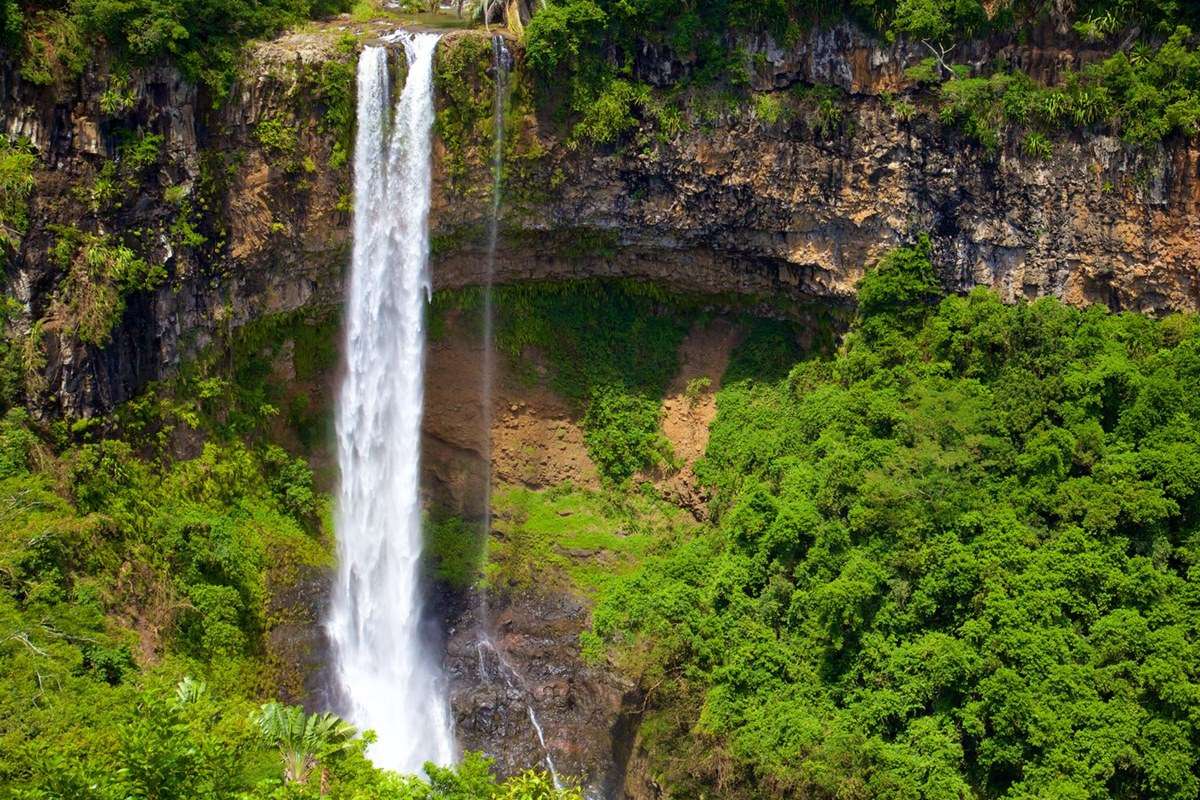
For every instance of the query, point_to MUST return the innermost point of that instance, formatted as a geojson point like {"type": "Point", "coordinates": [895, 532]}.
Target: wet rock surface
{"type": "Point", "coordinates": [515, 668]}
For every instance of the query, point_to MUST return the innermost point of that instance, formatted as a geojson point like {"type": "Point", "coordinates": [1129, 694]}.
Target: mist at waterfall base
{"type": "Point", "coordinates": [387, 676]}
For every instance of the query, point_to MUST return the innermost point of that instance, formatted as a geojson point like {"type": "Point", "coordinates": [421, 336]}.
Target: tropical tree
{"type": "Point", "coordinates": [304, 740]}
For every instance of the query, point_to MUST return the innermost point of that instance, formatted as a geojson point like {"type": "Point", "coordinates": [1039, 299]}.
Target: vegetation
{"type": "Point", "coordinates": [304, 740]}
{"type": "Point", "coordinates": [333, 89]}
{"type": "Point", "coordinates": [203, 38]}
{"type": "Point", "coordinates": [1145, 96]}
{"type": "Point", "coordinates": [120, 575]}
{"type": "Point", "coordinates": [572, 539]}
{"type": "Point", "coordinates": [612, 348]}
{"type": "Point", "coordinates": [54, 49]}
{"type": "Point", "coordinates": [1144, 92]}
{"type": "Point", "coordinates": [958, 558]}
{"type": "Point", "coordinates": [16, 185]}
{"type": "Point", "coordinates": [100, 275]}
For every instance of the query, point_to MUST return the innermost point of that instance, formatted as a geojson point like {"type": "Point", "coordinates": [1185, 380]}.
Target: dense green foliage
{"type": "Point", "coordinates": [958, 559]}
{"type": "Point", "coordinates": [1144, 95]}
{"type": "Point", "coordinates": [1146, 92]}
{"type": "Point", "coordinates": [204, 38]}
{"type": "Point", "coordinates": [16, 185]}
{"type": "Point", "coordinates": [109, 562]}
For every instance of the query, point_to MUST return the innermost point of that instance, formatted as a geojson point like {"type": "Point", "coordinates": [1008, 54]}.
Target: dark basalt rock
{"type": "Point", "coordinates": [522, 654]}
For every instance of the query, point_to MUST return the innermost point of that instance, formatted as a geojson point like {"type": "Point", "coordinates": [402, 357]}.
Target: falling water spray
{"type": "Point", "coordinates": [501, 63]}
{"type": "Point", "coordinates": [386, 671]}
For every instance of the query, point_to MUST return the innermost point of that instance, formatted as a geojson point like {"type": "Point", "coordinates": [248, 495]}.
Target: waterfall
{"type": "Point", "coordinates": [501, 61]}
{"type": "Point", "coordinates": [388, 677]}
{"type": "Point", "coordinates": [501, 64]}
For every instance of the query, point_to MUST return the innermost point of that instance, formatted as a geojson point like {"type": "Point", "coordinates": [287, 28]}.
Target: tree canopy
{"type": "Point", "coordinates": [959, 557]}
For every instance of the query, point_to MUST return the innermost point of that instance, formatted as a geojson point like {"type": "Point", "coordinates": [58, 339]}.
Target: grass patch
{"type": "Point", "coordinates": [576, 538]}
{"type": "Point", "coordinates": [455, 549]}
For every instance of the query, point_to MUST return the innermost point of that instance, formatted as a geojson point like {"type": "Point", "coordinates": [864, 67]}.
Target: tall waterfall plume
{"type": "Point", "coordinates": [501, 65]}
{"type": "Point", "coordinates": [389, 679]}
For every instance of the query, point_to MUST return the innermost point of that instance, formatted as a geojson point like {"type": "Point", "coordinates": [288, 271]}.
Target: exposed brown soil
{"type": "Point", "coordinates": [536, 437]}
{"type": "Point", "coordinates": [688, 413]}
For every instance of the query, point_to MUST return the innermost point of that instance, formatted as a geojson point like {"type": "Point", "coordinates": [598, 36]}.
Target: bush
{"type": "Point", "coordinates": [16, 185]}
{"type": "Point", "coordinates": [925, 552]}
{"type": "Point", "coordinates": [623, 435]}
{"type": "Point", "coordinates": [53, 50]}
{"type": "Point", "coordinates": [455, 547]}
{"type": "Point", "coordinates": [100, 275]}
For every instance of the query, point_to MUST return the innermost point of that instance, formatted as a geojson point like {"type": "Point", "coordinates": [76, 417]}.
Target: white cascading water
{"type": "Point", "coordinates": [388, 678]}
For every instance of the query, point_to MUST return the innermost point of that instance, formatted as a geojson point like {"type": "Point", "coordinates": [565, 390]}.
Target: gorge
{"type": "Point", "coordinates": [595, 411]}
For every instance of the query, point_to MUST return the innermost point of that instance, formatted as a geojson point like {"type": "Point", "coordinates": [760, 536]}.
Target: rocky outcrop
{"type": "Point", "coordinates": [270, 216]}
{"type": "Point", "coordinates": [793, 209]}
{"type": "Point", "coordinates": [520, 691]}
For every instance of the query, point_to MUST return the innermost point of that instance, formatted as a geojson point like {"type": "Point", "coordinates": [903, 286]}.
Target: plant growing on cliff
{"type": "Point", "coordinates": [100, 274]}
{"type": "Point", "coordinates": [334, 90]}
{"type": "Point", "coordinates": [767, 108]}
{"type": "Point", "coordinates": [203, 39]}
{"type": "Point", "coordinates": [464, 121]}
{"type": "Point", "coordinates": [696, 389]}
{"type": "Point", "coordinates": [118, 96]}
{"type": "Point", "coordinates": [53, 49]}
{"type": "Point", "coordinates": [17, 163]}
{"type": "Point", "coordinates": [279, 141]}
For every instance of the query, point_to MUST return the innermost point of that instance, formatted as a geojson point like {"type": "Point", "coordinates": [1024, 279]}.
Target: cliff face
{"type": "Point", "coordinates": [800, 205]}
{"type": "Point", "coordinates": [246, 207]}
{"type": "Point", "coordinates": [794, 208]}
{"type": "Point", "coordinates": [243, 205]}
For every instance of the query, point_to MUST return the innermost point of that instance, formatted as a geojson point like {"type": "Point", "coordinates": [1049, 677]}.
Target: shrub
{"type": "Point", "coordinates": [767, 108]}
{"type": "Point", "coordinates": [695, 389]}
{"type": "Point", "coordinates": [203, 38]}
{"type": "Point", "coordinates": [16, 185]}
{"type": "Point", "coordinates": [100, 274]}
{"type": "Point", "coordinates": [54, 51]}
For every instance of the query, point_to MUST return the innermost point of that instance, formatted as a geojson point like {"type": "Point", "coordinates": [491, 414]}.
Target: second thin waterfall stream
{"type": "Point", "coordinates": [501, 64]}
{"type": "Point", "coordinates": [388, 678]}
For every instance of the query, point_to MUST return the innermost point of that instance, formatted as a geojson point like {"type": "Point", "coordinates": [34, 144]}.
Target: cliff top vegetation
{"type": "Point", "coordinates": [1147, 89]}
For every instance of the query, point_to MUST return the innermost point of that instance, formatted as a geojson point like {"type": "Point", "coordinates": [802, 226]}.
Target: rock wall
{"type": "Point", "coordinates": [789, 212]}
{"type": "Point", "coordinates": [796, 209]}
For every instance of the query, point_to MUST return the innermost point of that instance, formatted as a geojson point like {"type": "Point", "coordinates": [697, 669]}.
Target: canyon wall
{"type": "Point", "coordinates": [789, 210]}
{"type": "Point", "coordinates": [782, 216]}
